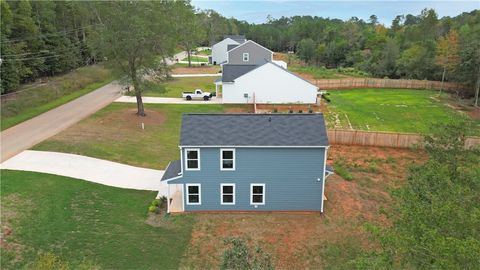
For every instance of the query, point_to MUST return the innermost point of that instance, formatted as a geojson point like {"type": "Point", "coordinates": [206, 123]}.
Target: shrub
{"type": "Point", "coordinates": [275, 110]}
{"type": "Point", "coordinates": [300, 111]}
{"type": "Point", "coordinates": [155, 202]}
{"type": "Point", "coordinates": [153, 209]}
{"type": "Point", "coordinates": [290, 111]}
{"type": "Point", "coordinates": [239, 256]}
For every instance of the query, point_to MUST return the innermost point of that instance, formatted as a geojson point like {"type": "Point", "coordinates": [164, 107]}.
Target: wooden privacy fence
{"type": "Point", "coordinates": [387, 139]}
{"type": "Point", "coordinates": [387, 83]}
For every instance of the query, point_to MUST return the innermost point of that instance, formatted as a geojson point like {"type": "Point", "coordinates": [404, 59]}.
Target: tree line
{"type": "Point", "coordinates": [47, 38]}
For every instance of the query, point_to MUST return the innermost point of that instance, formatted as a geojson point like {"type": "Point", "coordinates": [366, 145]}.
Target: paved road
{"type": "Point", "coordinates": [163, 100]}
{"type": "Point", "coordinates": [90, 169]}
{"type": "Point", "coordinates": [28, 133]}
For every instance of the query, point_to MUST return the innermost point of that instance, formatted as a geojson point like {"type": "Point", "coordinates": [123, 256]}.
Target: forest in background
{"type": "Point", "coordinates": [48, 38]}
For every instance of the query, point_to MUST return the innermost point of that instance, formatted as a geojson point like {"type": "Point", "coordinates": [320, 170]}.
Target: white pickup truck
{"type": "Point", "coordinates": [197, 94]}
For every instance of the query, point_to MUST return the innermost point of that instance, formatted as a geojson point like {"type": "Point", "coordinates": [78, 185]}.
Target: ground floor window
{"type": "Point", "coordinates": [227, 194]}
{"type": "Point", "coordinates": [257, 194]}
{"type": "Point", "coordinates": [194, 194]}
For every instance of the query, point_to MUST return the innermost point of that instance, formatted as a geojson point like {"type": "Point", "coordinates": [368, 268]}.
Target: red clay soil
{"type": "Point", "coordinates": [296, 241]}
{"type": "Point", "coordinates": [196, 70]}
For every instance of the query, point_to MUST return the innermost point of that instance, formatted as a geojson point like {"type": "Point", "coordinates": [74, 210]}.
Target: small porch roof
{"type": "Point", "coordinates": [173, 170]}
{"type": "Point", "coordinates": [328, 170]}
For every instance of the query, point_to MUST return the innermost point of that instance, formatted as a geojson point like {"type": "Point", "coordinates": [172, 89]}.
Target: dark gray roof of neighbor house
{"type": "Point", "coordinates": [237, 38]}
{"type": "Point", "coordinates": [231, 46]}
{"type": "Point", "coordinates": [248, 129]}
{"type": "Point", "coordinates": [173, 170]}
{"type": "Point", "coordinates": [231, 72]}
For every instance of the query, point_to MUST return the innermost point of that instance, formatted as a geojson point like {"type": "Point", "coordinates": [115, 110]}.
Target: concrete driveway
{"type": "Point", "coordinates": [90, 169]}
{"type": "Point", "coordinates": [163, 100]}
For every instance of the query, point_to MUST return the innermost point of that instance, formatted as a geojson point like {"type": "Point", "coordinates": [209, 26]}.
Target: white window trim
{"type": "Point", "coordinates": [251, 194]}
{"type": "Point", "coordinates": [221, 159]}
{"type": "Point", "coordinates": [243, 57]}
{"type": "Point", "coordinates": [199, 194]}
{"type": "Point", "coordinates": [186, 159]}
{"type": "Point", "coordinates": [221, 193]}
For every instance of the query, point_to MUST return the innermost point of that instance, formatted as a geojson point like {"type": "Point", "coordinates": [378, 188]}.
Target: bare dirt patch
{"type": "Point", "coordinates": [296, 241]}
{"type": "Point", "coordinates": [286, 108]}
{"type": "Point", "coordinates": [196, 70]}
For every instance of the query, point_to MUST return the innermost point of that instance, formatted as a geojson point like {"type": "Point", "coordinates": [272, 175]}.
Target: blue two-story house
{"type": "Point", "coordinates": [249, 162]}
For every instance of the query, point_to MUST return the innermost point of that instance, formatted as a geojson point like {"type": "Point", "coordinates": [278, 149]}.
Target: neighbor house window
{"type": "Point", "coordinates": [245, 57]}
{"type": "Point", "coordinates": [227, 159]}
{"type": "Point", "coordinates": [192, 157]}
{"type": "Point", "coordinates": [227, 193]}
{"type": "Point", "coordinates": [194, 194]}
{"type": "Point", "coordinates": [257, 194]}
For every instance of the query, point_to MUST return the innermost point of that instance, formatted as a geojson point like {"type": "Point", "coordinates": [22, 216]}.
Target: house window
{"type": "Point", "coordinates": [192, 159]}
{"type": "Point", "coordinates": [227, 193]}
{"type": "Point", "coordinates": [246, 56]}
{"type": "Point", "coordinates": [257, 194]}
{"type": "Point", "coordinates": [227, 159]}
{"type": "Point", "coordinates": [194, 194]}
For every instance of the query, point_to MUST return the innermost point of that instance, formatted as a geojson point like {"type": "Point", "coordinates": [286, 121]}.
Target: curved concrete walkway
{"type": "Point", "coordinates": [90, 169]}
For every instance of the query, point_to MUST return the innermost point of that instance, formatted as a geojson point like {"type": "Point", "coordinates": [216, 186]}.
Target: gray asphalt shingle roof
{"type": "Point", "coordinates": [237, 38]}
{"type": "Point", "coordinates": [173, 169]}
{"type": "Point", "coordinates": [231, 72]}
{"type": "Point", "coordinates": [248, 129]}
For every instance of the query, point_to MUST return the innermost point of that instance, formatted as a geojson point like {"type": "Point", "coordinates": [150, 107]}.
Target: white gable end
{"type": "Point", "coordinates": [269, 84]}
{"type": "Point", "coordinates": [219, 50]}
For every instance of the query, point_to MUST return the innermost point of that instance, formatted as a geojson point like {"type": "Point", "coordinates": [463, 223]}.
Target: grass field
{"type": "Point", "coordinates": [39, 98]}
{"type": "Point", "coordinates": [84, 223]}
{"type": "Point", "coordinates": [205, 52]}
{"type": "Point", "coordinates": [398, 110]}
{"type": "Point", "coordinates": [196, 59]}
{"type": "Point", "coordinates": [115, 134]}
{"type": "Point", "coordinates": [175, 87]}
{"type": "Point", "coordinates": [313, 72]}
{"type": "Point", "coordinates": [327, 73]}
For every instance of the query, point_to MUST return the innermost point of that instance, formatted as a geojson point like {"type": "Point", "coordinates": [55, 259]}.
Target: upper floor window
{"type": "Point", "coordinates": [192, 157]}
{"type": "Point", "coordinates": [227, 159]}
{"type": "Point", "coordinates": [245, 57]}
{"type": "Point", "coordinates": [194, 194]}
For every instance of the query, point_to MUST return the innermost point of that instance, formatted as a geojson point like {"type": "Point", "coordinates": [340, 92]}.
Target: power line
{"type": "Point", "coordinates": [43, 57]}
{"type": "Point", "coordinates": [48, 34]}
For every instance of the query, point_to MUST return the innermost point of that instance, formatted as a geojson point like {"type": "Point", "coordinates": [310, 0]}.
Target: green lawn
{"type": "Point", "coordinates": [114, 134]}
{"type": "Point", "coordinates": [58, 91]}
{"type": "Point", "coordinates": [176, 86]}
{"type": "Point", "coordinates": [85, 224]}
{"type": "Point", "coordinates": [205, 52]}
{"type": "Point", "coordinates": [398, 110]}
{"type": "Point", "coordinates": [196, 59]}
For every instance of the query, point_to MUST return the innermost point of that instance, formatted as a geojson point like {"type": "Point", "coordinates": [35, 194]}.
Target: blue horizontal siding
{"type": "Point", "coordinates": [290, 176]}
